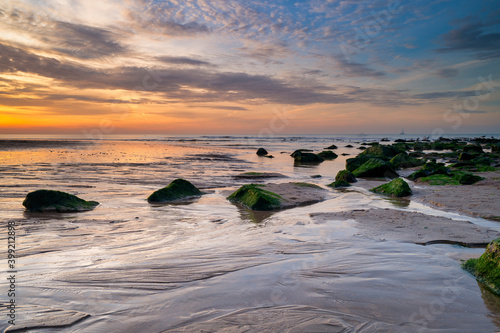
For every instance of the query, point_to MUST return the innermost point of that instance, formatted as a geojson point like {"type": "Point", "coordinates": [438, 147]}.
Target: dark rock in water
{"type": "Point", "coordinates": [328, 155]}
{"type": "Point", "coordinates": [349, 146]}
{"type": "Point", "coordinates": [400, 140]}
{"type": "Point", "coordinates": [302, 157]}
{"type": "Point", "coordinates": [403, 160]}
{"type": "Point", "coordinates": [48, 200]}
{"type": "Point", "coordinates": [346, 176]}
{"type": "Point", "coordinates": [339, 183]}
{"type": "Point", "coordinates": [396, 188]}
{"type": "Point", "coordinates": [176, 190]}
{"type": "Point", "coordinates": [467, 178]}
{"type": "Point", "coordinates": [316, 176]}
{"type": "Point", "coordinates": [362, 148]}
{"type": "Point", "coordinates": [254, 197]}
{"type": "Point", "coordinates": [300, 151]}
{"type": "Point", "coordinates": [486, 268]}
{"type": "Point", "coordinates": [332, 147]}
{"type": "Point", "coordinates": [268, 156]}
{"type": "Point", "coordinates": [345, 154]}
{"type": "Point", "coordinates": [429, 169]}
{"type": "Point", "coordinates": [465, 157]}
{"type": "Point", "coordinates": [352, 164]}
{"type": "Point", "coordinates": [259, 175]}
{"type": "Point", "coordinates": [385, 140]}
{"type": "Point", "coordinates": [375, 167]}
{"type": "Point", "coordinates": [473, 149]}
{"type": "Point", "coordinates": [261, 152]}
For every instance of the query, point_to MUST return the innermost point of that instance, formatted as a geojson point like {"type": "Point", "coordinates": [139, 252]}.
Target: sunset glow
{"type": "Point", "coordinates": [215, 67]}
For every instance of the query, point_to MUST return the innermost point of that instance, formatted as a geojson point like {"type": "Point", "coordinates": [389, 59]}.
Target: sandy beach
{"type": "Point", "coordinates": [330, 260]}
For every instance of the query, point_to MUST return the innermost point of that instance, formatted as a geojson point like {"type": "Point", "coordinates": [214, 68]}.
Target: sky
{"type": "Point", "coordinates": [249, 67]}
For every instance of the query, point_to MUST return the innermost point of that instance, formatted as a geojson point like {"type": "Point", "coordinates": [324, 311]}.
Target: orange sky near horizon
{"type": "Point", "coordinates": [231, 68]}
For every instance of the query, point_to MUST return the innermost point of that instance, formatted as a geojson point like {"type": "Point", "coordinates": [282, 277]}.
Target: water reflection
{"type": "Point", "coordinates": [492, 302]}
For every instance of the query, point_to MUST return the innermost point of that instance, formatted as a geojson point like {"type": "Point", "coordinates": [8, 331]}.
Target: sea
{"type": "Point", "coordinates": [207, 265]}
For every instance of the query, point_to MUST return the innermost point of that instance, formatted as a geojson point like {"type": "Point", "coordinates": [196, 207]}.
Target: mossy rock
{"type": "Point", "coordinates": [352, 164]}
{"type": "Point", "coordinates": [486, 268]}
{"type": "Point", "coordinates": [485, 168]}
{"type": "Point", "coordinates": [395, 188]}
{"type": "Point", "coordinates": [339, 183]}
{"type": "Point", "coordinates": [465, 157]}
{"type": "Point", "coordinates": [473, 149]}
{"type": "Point", "coordinates": [303, 157]}
{"type": "Point", "coordinates": [375, 167]}
{"type": "Point", "coordinates": [381, 152]}
{"type": "Point", "coordinates": [403, 160]}
{"type": "Point", "coordinates": [466, 178]}
{"type": "Point", "coordinates": [332, 147]}
{"type": "Point", "coordinates": [254, 197]}
{"type": "Point", "coordinates": [429, 169]}
{"type": "Point", "coordinates": [346, 176]}
{"type": "Point", "coordinates": [49, 200]}
{"type": "Point", "coordinates": [328, 155]}
{"type": "Point", "coordinates": [495, 148]}
{"type": "Point", "coordinates": [261, 152]}
{"type": "Point", "coordinates": [176, 190]}
{"type": "Point", "coordinates": [439, 179]}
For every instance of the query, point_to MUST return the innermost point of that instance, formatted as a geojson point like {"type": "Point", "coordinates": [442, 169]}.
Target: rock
{"type": "Point", "coordinates": [465, 157]}
{"type": "Point", "coordinates": [381, 152]}
{"type": "Point", "coordinates": [429, 169]}
{"type": "Point", "coordinates": [346, 176]}
{"type": "Point", "coordinates": [403, 160]}
{"type": "Point", "coordinates": [300, 151]}
{"type": "Point", "coordinates": [302, 157]}
{"type": "Point", "coordinates": [332, 147]}
{"type": "Point", "coordinates": [352, 164]}
{"type": "Point", "coordinates": [395, 188]}
{"type": "Point", "coordinates": [316, 176]}
{"type": "Point", "coordinates": [349, 146]}
{"type": "Point", "coordinates": [176, 190]}
{"type": "Point", "coordinates": [328, 155]}
{"type": "Point", "coordinates": [473, 149]}
{"type": "Point", "coordinates": [362, 148]}
{"type": "Point", "coordinates": [268, 156]}
{"type": "Point", "coordinates": [339, 183]}
{"type": "Point", "coordinates": [375, 167]}
{"type": "Point", "coordinates": [495, 148]}
{"type": "Point", "coordinates": [48, 200]}
{"type": "Point", "coordinates": [254, 197]}
{"type": "Point", "coordinates": [259, 175]}
{"type": "Point", "coordinates": [467, 178]}
{"type": "Point", "coordinates": [486, 268]}
{"type": "Point", "coordinates": [418, 146]}
{"type": "Point", "coordinates": [261, 152]}
{"type": "Point", "coordinates": [345, 154]}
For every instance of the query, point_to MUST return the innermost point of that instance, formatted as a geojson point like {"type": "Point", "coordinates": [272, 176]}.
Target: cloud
{"type": "Point", "coordinates": [352, 69]}
{"type": "Point", "coordinates": [472, 37]}
{"type": "Point", "coordinates": [84, 42]}
{"type": "Point", "coordinates": [446, 73]}
{"type": "Point", "coordinates": [174, 83]}
{"type": "Point", "coordinates": [445, 94]}
{"type": "Point", "coordinates": [469, 111]}
{"type": "Point", "coordinates": [183, 61]}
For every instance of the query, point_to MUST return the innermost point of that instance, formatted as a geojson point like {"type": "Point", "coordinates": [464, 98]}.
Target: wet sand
{"type": "Point", "coordinates": [348, 262]}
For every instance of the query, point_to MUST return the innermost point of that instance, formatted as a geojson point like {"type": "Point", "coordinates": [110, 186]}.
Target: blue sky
{"type": "Point", "coordinates": [329, 66]}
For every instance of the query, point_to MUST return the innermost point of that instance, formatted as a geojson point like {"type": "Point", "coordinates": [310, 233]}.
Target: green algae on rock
{"type": "Point", "coordinates": [346, 176]}
{"type": "Point", "coordinates": [302, 157]}
{"type": "Point", "coordinates": [375, 167]}
{"type": "Point", "coordinates": [254, 197]}
{"type": "Point", "coordinates": [395, 188]}
{"type": "Point", "coordinates": [339, 183]}
{"type": "Point", "coordinates": [486, 268]}
{"type": "Point", "coordinates": [49, 200]}
{"type": "Point", "coordinates": [403, 160]}
{"type": "Point", "coordinates": [176, 190]}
